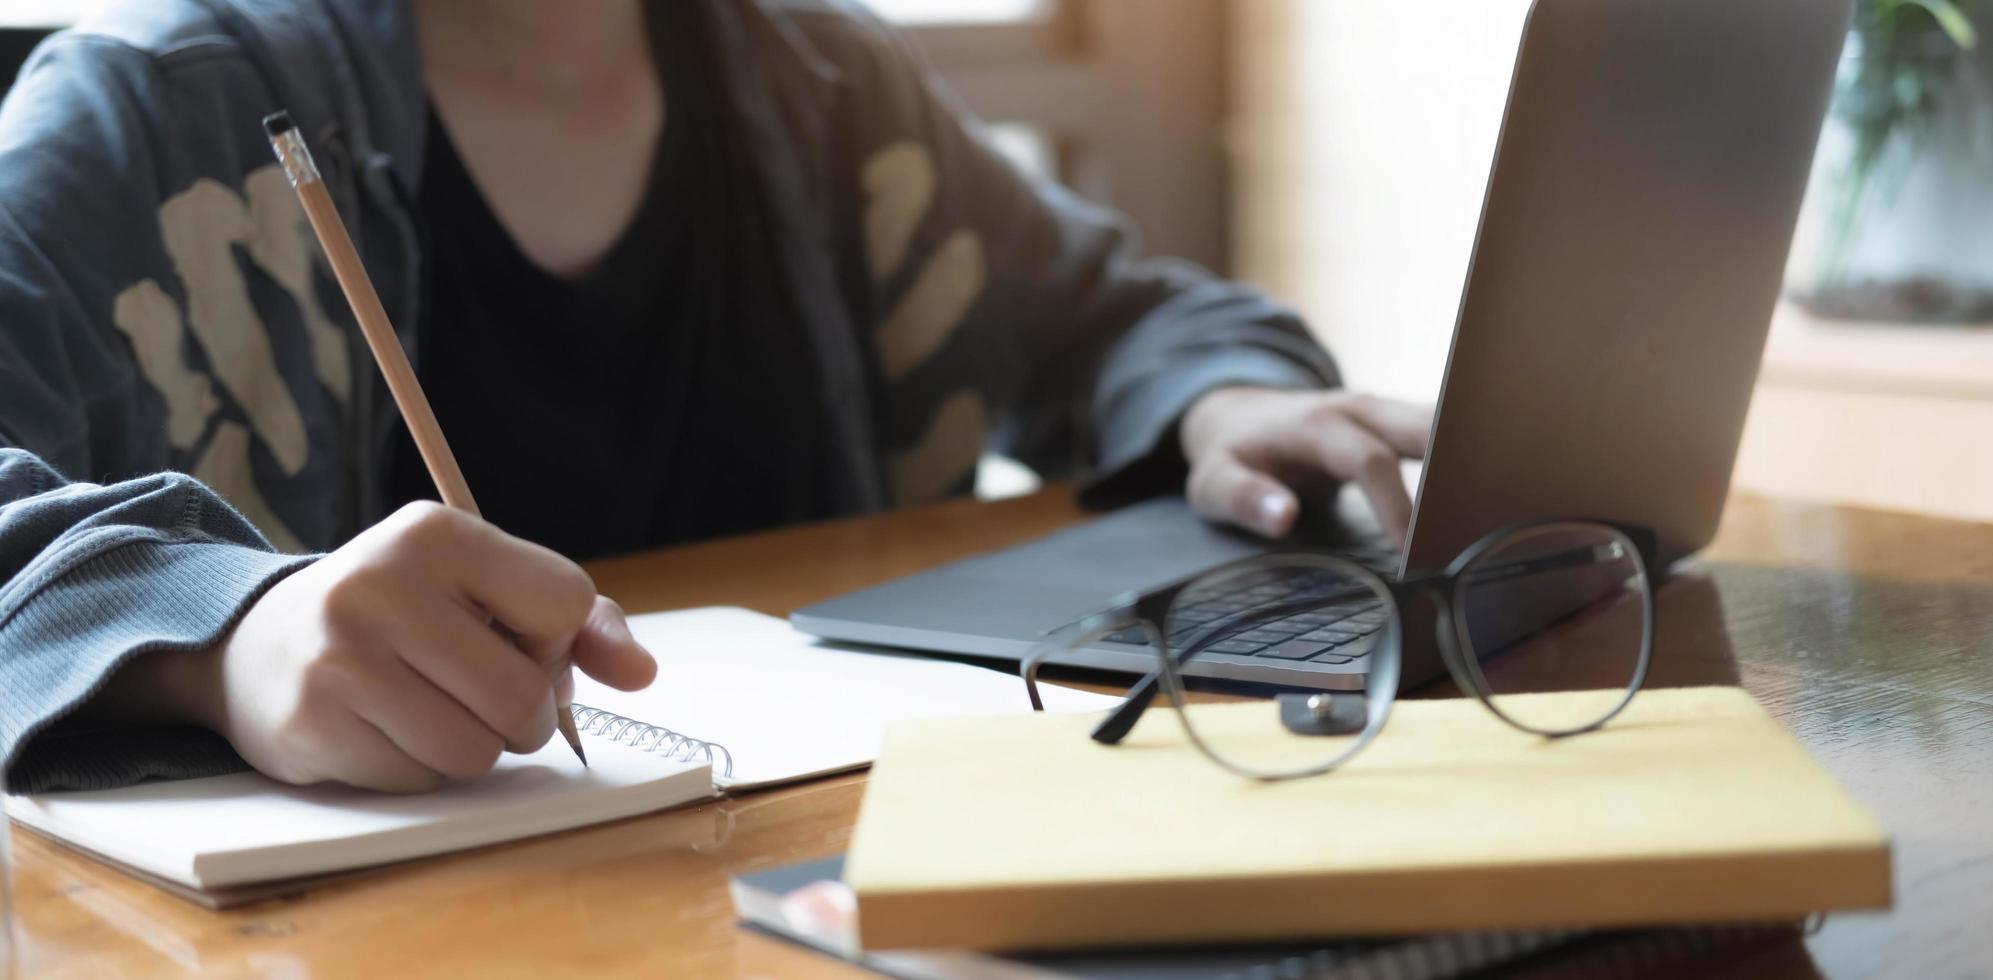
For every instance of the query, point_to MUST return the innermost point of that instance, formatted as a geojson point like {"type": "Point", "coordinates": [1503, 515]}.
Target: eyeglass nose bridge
{"type": "Point", "coordinates": [1463, 664]}
{"type": "Point", "coordinates": [1454, 653]}
{"type": "Point", "coordinates": [1446, 634]}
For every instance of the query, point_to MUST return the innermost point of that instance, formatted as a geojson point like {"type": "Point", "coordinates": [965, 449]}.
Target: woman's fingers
{"type": "Point", "coordinates": [541, 597]}
{"type": "Point", "coordinates": [1336, 446]}
{"type": "Point", "coordinates": [427, 725]}
{"type": "Point", "coordinates": [367, 758]}
{"type": "Point", "coordinates": [1405, 427]}
{"type": "Point", "coordinates": [607, 651]}
{"type": "Point", "coordinates": [509, 692]}
{"type": "Point", "coordinates": [1226, 490]}
{"type": "Point", "coordinates": [1250, 449]}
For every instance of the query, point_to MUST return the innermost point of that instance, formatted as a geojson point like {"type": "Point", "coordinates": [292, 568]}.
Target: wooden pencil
{"type": "Point", "coordinates": [381, 339]}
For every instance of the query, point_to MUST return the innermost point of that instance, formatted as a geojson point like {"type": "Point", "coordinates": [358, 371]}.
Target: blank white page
{"type": "Point", "coordinates": [786, 707]}
{"type": "Point", "coordinates": [243, 828]}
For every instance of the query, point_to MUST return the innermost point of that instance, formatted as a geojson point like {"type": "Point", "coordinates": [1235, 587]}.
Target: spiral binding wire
{"type": "Point", "coordinates": [653, 739]}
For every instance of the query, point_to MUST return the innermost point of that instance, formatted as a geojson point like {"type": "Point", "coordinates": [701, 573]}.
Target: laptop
{"type": "Point", "coordinates": [1632, 237]}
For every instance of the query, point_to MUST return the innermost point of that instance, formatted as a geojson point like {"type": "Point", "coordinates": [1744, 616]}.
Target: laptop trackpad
{"type": "Point", "coordinates": [1134, 549]}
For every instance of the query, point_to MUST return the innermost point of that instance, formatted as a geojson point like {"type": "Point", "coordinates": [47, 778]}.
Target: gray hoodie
{"type": "Point", "coordinates": [169, 330]}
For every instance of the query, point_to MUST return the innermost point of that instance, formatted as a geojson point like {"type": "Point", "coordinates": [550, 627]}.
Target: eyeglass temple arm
{"type": "Point", "coordinates": [1029, 670]}
{"type": "Point", "coordinates": [1117, 725]}
{"type": "Point", "coordinates": [1571, 558]}
{"type": "Point", "coordinates": [1121, 721]}
{"type": "Point", "coordinates": [1643, 546]}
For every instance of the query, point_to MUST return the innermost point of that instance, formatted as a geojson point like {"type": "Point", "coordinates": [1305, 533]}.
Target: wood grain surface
{"type": "Point", "coordinates": [1870, 634]}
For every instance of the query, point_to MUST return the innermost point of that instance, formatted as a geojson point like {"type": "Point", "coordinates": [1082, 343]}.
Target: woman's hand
{"type": "Point", "coordinates": [1252, 449]}
{"type": "Point", "coordinates": [379, 665]}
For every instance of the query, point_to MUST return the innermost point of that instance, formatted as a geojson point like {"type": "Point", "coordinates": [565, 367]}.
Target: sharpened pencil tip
{"type": "Point", "coordinates": [278, 123]}
{"type": "Point", "coordinates": [573, 736]}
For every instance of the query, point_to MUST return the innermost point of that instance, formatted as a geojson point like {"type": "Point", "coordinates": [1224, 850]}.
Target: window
{"type": "Point", "coordinates": [1122, 100]}
{"type": "Point", "coordinates": [959, 11]}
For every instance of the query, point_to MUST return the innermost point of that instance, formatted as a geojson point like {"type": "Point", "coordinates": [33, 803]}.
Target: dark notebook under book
{"type": "Point", "coordinates": [758, 902]}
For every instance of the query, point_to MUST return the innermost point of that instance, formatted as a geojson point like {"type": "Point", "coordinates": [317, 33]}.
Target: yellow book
{"type": "Point", "coordinates": [1693, 806]}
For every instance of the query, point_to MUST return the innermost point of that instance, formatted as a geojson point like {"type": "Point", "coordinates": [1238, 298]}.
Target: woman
{"type": "Point", "coordinates": [667, 270]}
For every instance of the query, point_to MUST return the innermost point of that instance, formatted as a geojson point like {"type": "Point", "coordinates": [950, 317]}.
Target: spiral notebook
{"type": "Point", "coordinates": [741, 701]}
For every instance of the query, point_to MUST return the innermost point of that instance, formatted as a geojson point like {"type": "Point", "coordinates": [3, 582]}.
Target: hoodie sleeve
{"type": "Point", "coordinates": [1084, 353]}
{"type": "Point", "coordinates": [92, 576]}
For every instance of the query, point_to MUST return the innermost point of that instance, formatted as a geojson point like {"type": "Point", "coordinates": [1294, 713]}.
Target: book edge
{"type": "Point", "coordinates": [1781, 886]}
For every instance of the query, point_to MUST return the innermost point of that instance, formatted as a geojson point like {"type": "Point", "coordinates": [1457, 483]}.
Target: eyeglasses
{"type": "Point", "coordinates": [1548, 607]}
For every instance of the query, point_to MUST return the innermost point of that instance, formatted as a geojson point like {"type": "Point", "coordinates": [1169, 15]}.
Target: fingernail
{"type": "Point", "coordinates": [1273, 513]}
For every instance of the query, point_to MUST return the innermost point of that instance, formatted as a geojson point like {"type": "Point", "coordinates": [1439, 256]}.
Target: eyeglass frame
{"type": "Point", "coordinates": [1150, 611]}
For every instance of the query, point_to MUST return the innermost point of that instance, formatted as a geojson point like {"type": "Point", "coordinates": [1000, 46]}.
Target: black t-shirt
{"type": "Point", "coordinates": [666, 395]}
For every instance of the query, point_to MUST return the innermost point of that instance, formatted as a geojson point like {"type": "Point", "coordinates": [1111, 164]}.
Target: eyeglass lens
{"type": "Point", "coordinates": [1558, 607]}
{"type": "Point", "coordinates": [1304, 612]}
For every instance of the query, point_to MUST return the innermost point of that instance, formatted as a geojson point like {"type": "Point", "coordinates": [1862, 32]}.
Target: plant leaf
{"type": "Point", "coordinates": [1953, 20]}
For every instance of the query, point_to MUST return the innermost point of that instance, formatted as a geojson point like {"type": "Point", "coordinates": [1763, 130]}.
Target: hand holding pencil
{"type": "Point", "coordinates": [425, 646]}
{"type": "Point", "coordinates": [377, 666]}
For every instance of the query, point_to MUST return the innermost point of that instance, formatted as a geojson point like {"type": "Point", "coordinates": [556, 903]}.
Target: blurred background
{"type": "Point", "coordinates": [1335, 152]}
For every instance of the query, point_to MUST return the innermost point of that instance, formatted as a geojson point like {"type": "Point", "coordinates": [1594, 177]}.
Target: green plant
{"type": "Point", "coordinates": [1904, 54]}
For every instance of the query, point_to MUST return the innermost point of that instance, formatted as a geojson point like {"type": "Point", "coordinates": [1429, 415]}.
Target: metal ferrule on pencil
{"type": "Point", "coordinates": [291, 150]}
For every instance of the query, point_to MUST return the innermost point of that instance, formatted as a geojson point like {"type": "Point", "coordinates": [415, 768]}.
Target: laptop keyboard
{"type": "Point", "coordinates": [1330, 635]}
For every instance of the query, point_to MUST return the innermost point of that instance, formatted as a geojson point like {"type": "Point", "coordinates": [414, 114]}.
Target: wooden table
{"type": "Point", "coordinates": [1866, 632]}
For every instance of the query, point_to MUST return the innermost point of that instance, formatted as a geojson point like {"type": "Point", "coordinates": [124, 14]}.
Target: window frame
{"type": "Point", "coordinates": [1114, 86]}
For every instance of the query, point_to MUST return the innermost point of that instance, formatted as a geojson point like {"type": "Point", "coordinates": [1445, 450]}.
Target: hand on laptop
{"type": "Point", "coordinates": [378, 665]}
{"type": "Point", "coordinates": [1251, 450]}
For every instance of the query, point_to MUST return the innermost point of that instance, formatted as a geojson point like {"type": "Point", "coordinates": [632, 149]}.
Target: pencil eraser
{"type": "Point", "coordinates": [278, 123]}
